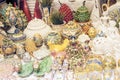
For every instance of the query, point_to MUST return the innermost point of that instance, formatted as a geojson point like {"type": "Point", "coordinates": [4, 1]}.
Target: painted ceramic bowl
{"type": "Point", "coordinates": [71, 29]}
{"type": "Point", "coordinates": [94, 63]}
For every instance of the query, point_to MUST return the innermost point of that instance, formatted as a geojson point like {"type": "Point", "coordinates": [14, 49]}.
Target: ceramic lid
{"type": "Point", "coordinates": [36, 24]}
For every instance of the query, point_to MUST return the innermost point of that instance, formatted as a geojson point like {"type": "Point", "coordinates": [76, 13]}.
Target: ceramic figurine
{"type": "Point", "coordinates": [20, 50]}
{"type": "Point", "coordinates": [76, 54]}
{"type": "Point", "coordinates": [58, 47]}
{"type": "Point", "coordinates": [112, 32]}
{"type": "Point", "coordinates": [26, 57]}
{"type": "Point", "coordinates": [70, 75]}
{"type": "Point", "coordinates": [37, 12]}
{"type": "Point", "coordinates": [71, 29]}
{"type": "Point", "coordinates": [58, 76]}
{"type": "Point", "coordinates": [65, 65]}
{"type": "Point", "coordinates": [36, 65]}
{"type": "Point", "coordinates": [8, 47]}
{"type": "Point", "coordinates": [54, 38]}
{"type": "Point", "coordinates": [38, 40]}
{"type": "Point", "coordinates": [92, 32]}
{"type": "Point", "coordinates": [26, 10]}
{"type": "Point", "coordinates": [94, 63]}
{"type": "Point", "coordinates": [13, 18]}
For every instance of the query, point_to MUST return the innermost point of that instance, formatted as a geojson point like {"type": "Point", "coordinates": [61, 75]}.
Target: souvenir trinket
{"type": "Point", "coordinates": [54, 38]}
{"type": "Point", "coordinates": [92, 32]}
{"type": "Point", "coordinates": [94, 63]}
{"type": "Point", "coordinates": [41, 52]}
{"type": "Point", "coordinates": [82, 14]}
{"type": "Point", "coordinates": [8, 47]}
{"type": "Point", "coordinates": [30, 46]}
{"type": "Point", "coordinates": [71, 29]}
{"type": "Point", "coordinates": [6, 70]}
{"type": "Point", "coordinates": [14, 18]}
{"type": "Point", "coordinates": [26, 57]}
{"type": "Point", "coordinates": [58, 47]}
{"type": "Point", "coordinates": [26, 70]}
{"type": "Point", "coordinates": [66, 12]}
{"type": "Point", "coordinates": [18, 37]}
{"type": "Point", "coordinates": [37, 26]}
{"type": "Point", "coordinates": [76, 54]}
{"type": "Point", "coordinates": [58, 76]}
{"type": "Point", "coordinates": [20, 50]}
{"type": "Point", "coordinates": [38, 40]}
{"type": "Point", "coordinates": [109, 62]}
{"type": "Point", "coordinates": [95, 75]}
{"type": "Point", "coordinates": [44, 66]}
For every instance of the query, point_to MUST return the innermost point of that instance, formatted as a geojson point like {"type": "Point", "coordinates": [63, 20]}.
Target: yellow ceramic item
{"type": "Point", "coordinates": [92, 32]}
{"type": "Point", "coordinates": [58, 47]}
{"type": "Point", "coordinates": [30, 45]}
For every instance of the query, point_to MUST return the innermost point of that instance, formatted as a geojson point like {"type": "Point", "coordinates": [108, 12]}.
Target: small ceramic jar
{"type": "Point", "coordinates": [54, 38]}
{"type": "Point", "coordinates": [38, 40]}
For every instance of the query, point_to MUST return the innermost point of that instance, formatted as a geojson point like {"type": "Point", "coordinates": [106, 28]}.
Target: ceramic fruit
{"type": "Point", "coordinates": [58, 47]}
{"type": "Point", "coordinates": [82, 14]}
{"type": "Point", "coordinates": [38, 40]}
{"type": "Point", "coordinates": [66, 12]}
{"type": "Point", "coordinates": [92, 32]}
{"type": "Point", "coordinates": [71, 29]}
{"type": "Point", "coordinates": [54, 38]}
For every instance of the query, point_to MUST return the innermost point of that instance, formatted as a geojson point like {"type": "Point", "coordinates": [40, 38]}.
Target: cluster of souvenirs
{"type": "Point", "coordinates": [62, 44]}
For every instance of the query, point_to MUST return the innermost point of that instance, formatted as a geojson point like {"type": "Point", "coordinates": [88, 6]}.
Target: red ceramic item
{"type": "Point", "coordinates": [37, 12]}
{"type": "Point", "coordinates": [66, 11]}
{"type": "Point", "coordinates": [26, 10]}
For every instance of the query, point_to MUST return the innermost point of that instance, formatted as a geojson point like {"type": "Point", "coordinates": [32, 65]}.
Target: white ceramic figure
{"type": "Point", "coordinates": [26, 57]}
{"type": "Point", "coordinates": [83, 37]}
{"type": "Point", "coordinates": [112, 32]}
{"type": "Point", "coordinates": [102, 45]}
{"type": "Point", "coordinates": [58, 76]}
{"type": "Point", "coordinates": [70, 75]}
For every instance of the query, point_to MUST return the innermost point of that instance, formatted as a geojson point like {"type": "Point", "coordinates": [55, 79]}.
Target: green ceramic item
{"type": "Point", "coordinates": [44, 66]}
{"type": "Point", "coordinates": [26, 70]}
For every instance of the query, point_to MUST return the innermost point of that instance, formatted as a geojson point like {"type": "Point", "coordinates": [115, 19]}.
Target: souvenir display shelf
{"type": "Point", "coordinates": [74, 43]}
